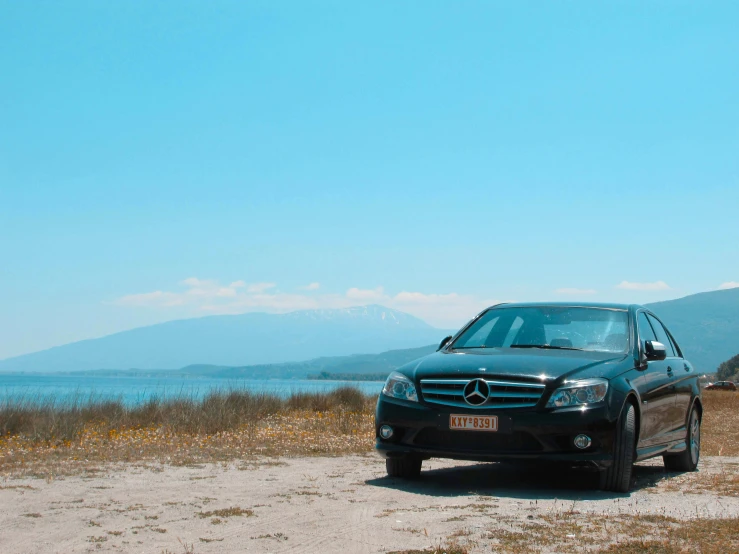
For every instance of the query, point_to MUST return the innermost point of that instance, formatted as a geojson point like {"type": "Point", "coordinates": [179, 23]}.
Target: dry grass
{"type": "Point", "coordinates": [707, 536]}
{"type": "Point", "coordinates": [52, 436]}
{"type": "Point", "coordinates": [44, 419]}
{"type": "Point", "coordinates": [611, 534]}
{"type": "Point", "coordinates": [227, 512]}
{"type": "Point", "coordinates": [720, 426]}
{"type": "Point", "coordinates": [722, 480]}
{"type": "Point", "coordinates": [49, 436]}
{"type": "Point", "coordinates": [450, 547]}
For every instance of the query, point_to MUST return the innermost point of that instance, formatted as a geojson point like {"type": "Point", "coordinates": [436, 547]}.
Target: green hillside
{"type": "Point", "coordinates": [706, 325]}
{"type": "Point", "coordinates": [384, 362]}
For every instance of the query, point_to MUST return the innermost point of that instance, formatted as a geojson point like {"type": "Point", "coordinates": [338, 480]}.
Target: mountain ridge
{"type": "Point", "coordinates": [706, 325]}
{"type": "Point", "coordinates": [237, 340]}
{"type": "Point", "coordinates": [356, 364]}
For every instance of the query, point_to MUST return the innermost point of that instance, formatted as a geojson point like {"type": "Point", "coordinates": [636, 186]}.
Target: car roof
{"type": "Point", "coordinates": [604, 305]}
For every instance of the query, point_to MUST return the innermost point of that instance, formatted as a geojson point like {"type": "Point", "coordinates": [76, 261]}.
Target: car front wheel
{"type": "Point", "coordinates": [687, 460]}
{"type": "Point", "coordinates": [617, 478]}
{"type": "Point", "coordinates": [405, 468]}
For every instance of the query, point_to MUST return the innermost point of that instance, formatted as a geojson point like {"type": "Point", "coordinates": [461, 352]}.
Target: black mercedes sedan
{"type": "Point", "coordinates": [598, 385]}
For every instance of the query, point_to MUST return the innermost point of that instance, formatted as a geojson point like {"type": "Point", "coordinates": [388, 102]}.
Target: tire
{"type": "Point", "coordinates": [687, 460]}
{"type": "Point", "coordinates": [617, 478]}
{"type": "Point", "coordinates": [404, 468]}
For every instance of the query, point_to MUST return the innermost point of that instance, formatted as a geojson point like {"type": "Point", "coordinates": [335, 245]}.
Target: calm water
{"type": "Point", "coordinates": [133, 390]}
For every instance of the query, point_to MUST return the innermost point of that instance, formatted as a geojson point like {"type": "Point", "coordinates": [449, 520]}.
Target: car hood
{"type": "Point", "coordinates": [544, 365]}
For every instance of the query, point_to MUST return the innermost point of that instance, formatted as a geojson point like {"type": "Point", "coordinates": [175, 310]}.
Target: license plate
{"type": "Point", "coordinates": [473, 423]}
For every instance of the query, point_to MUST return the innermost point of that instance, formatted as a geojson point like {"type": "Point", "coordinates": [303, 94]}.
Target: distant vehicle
{"type": "Point", "coordinates": [721, 385]}
{"type": "Point", "coordinates": [601, 385]}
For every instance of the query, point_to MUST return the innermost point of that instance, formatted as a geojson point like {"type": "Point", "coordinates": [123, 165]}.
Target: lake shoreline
{"type": "Point", "coordinates": [134, 390]}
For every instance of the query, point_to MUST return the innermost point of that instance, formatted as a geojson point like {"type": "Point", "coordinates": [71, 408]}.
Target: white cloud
{"type": "Point", "coordinates": [201, 295]}
{"type": "Point", "coordinates": [199, 292]}
{"type": "Point", "coordinates": [157, 298]}
{"type": "Point", "coordinates": [257, 288]}
{"type": "Point", "coordinates": [658, 285]}
{"type": "Point", "coordinates": [421, 298]}
{"type": "Point", "coordinates": [366, 295]}
{"type": "Point", "coordinates": [575, 291]}
{"type": "Point", "coordinates": [202, 287]}
{"type": "Point", "coordinates": [729, 285]}
{"type": "Point", "coordinates": [311, 286]}
{"type": "Point", "coordinates": [195, 282]}
{"type": "Point", "coordinates": [208, 288]}
{"type": "Point", "coordinates": [442, 310]}
{"type": "Point", "coordinates": [226, 292]}
{"type": "Point", "coordinates": [264, 302]}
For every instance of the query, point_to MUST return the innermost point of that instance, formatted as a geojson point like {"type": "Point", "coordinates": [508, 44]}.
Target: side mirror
{"type": "Point", "coordinates": [444, 342]}
{"type": "Point", "coordinates": [655, 350]}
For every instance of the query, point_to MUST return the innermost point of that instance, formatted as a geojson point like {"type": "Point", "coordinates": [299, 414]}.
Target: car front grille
{"type": "Point", "coordinates": [473, 441]}
{"type": "Point", "coordinates": [503, 394]}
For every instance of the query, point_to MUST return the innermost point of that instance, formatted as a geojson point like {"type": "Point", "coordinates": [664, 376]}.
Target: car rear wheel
{"type": "Point", "coordinates": [405, 468]}
{"type": "Point", "coordinates": [617, 478]}
{"type": "Point", "coordinates": [687, 460]}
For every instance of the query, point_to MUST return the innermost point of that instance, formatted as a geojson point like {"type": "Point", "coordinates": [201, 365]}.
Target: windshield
{"type": "Point", "coordinates": [566, 328]}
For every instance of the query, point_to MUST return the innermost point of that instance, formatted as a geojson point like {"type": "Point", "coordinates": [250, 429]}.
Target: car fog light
{"type": "Point", "coordinates": [386, 431]}
{"type": "Point", "coordinates": [582, 441]}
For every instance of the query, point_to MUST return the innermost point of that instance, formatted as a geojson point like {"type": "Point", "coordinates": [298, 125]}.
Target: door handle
{"type": "Point", "coordinates": [669, 370]}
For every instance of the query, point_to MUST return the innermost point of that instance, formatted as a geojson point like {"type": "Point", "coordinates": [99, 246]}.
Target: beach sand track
{"type": "Point", "coordinates": [323, 504]}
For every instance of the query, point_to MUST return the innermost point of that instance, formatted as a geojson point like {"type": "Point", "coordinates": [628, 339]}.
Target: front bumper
{"type": "Point", "coordinates": [422, 430]}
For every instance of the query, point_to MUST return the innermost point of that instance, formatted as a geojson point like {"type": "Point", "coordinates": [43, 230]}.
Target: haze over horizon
{"type": "Point", "coordinates": [160, 164]}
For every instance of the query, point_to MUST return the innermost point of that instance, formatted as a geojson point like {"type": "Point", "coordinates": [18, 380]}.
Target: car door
{"type": "Point", "coordinates": [658, 398]}
{"type": "Point", "coordinates": [680, 374]}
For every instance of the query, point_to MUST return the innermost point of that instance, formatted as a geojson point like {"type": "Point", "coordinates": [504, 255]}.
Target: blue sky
{"type": "Point", "coordinates": [161, 160]}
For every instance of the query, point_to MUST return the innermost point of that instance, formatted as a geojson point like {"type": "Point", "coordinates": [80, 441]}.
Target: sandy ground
{"type": "Point", "coordinates": [322, 505]}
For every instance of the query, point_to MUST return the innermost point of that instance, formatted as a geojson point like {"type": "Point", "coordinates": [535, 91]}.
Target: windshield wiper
{"type": "Point", "coordinates": [546, 347]}
{"type": "Point", "coordinates": [466, 347]}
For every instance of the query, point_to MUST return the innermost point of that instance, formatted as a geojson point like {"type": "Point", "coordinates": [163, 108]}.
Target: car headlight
{"type": "Point", "coordinates": [579, 393]}
{"type": "Point", "coordinates": [399, 386]}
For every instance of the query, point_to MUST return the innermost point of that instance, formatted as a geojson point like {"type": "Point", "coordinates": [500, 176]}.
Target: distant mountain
{"type": "Point", "coordinates": [356, 364]}
{"type": "Point", "coordinates": [267, 345]}
{"type": "Point", "coordinates": [706, 326]}
{"type": "Point", "coordinates": [238, 340]}
{"type": "Point", "coordinates": [384, 362]}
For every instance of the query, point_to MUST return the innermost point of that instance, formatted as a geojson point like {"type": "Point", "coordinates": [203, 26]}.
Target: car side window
{"type": "Point", "coordinates": [645, 329]}
{"type": "Point", "coordinates": [662, 336]}
{"type": "Point", "coordinates": [675, 345]}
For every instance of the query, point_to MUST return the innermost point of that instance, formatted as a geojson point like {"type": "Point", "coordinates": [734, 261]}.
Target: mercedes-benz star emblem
{"type": "Point", "coordinates": [476, 392]}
